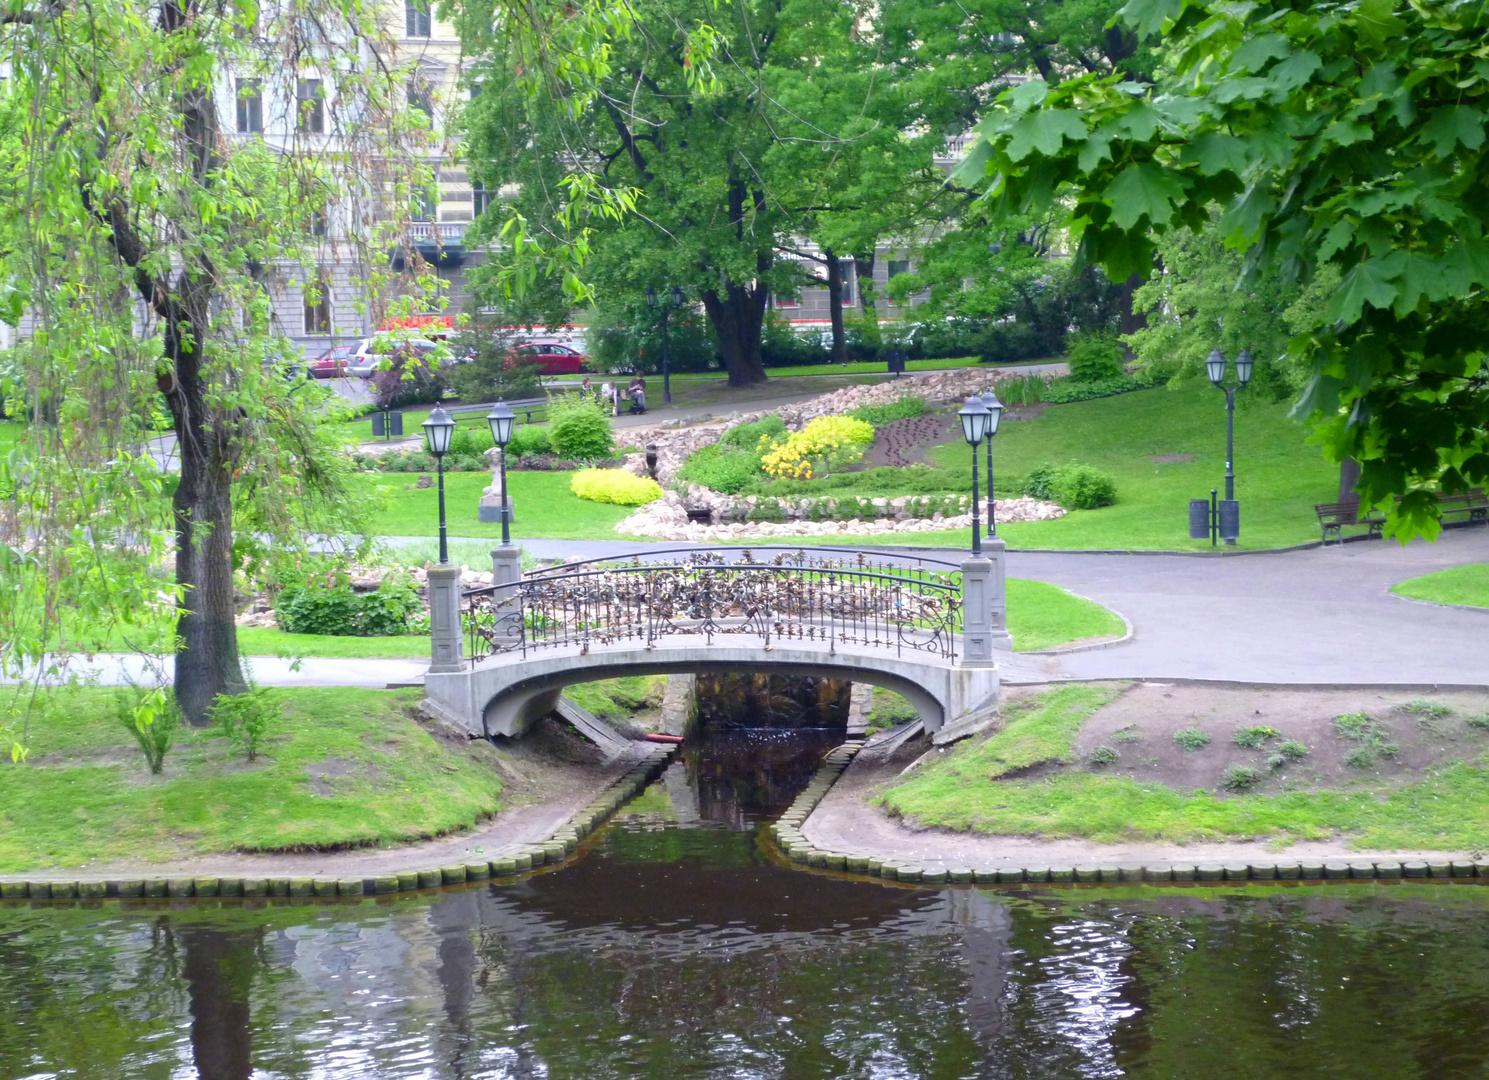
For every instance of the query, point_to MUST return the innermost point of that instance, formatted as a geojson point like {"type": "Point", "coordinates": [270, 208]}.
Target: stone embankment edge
{"type": "Point", "coordinates": [554, 849]}
{"type": "Point", "coordinates": [802, 852]}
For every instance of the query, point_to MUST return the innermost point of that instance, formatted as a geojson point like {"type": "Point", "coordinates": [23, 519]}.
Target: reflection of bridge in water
{"type": "Point", "coordinates": [924, 628]}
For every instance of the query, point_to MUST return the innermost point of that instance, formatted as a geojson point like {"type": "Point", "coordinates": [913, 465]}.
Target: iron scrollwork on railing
{"type": "Point", "coordinates": [827, 595]}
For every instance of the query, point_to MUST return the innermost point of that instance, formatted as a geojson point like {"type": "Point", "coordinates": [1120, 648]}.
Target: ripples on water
{"type": "Point", "coordinates": [678, 947]}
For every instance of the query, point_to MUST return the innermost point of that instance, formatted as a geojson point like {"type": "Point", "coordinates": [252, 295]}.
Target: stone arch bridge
{"type": "Point", "coordinates": [924, 628]}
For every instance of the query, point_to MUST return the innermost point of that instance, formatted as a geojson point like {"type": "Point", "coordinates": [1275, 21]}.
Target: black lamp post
{"type": "Point", "coordinates": [975, 419]}
{"type": "Point", "coordinates": [994, 407]}
{"type": "Point", "coordinates": [437, 431]}
{"type": "Point", "coordinates": [1215, 365]}
{"type": "Point", "coordinates": [501, 419]}
{"type": "Point", "coordinates": [677, 301]}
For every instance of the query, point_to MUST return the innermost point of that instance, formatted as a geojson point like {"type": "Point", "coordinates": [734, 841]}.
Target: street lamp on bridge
{"type": "Point", "coordinates": [500, 419]}
{"type": "Point", "coordinates": [437, 431]}
{"type": "Point", "coordinates": [976, 422]}
{"type": "Point", "coordinates": [677, 302]}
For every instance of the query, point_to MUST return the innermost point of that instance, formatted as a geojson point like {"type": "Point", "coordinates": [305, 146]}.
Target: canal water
{"type": "Point", "coordinates": [678, 946]}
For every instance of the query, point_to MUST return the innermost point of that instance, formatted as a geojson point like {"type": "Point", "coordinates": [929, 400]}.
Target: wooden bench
{"type": "Point", "coordinates": [1332, 517]}
{"type": "Point", "coordinates": [1472, 505]}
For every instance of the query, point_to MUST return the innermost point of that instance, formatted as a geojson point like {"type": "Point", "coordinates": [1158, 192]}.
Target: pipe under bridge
{"type": "Point", "coordinates": [925, 628]}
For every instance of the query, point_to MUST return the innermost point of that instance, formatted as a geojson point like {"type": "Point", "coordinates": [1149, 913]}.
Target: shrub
{"type": "Point", "coordinates": [748, 436]}
{"type": "Point", "coordinates": [1358, 726]}
{"type": "Point", "coordinates": [1094, 357]}
{"type": "Point", "coordinates": [767, 510]}
{"type": "Point", "coordinates": [529, 441]}
{"type": "Point", "coordinates": [879, 415]}
{"type": "Point", "coordinates": [721, 469]}
{"type": "Point", "coordinates": [1363, 729]}
{"type": "Point", "coordinates": [614, 486]}
{"type": "Point", "coordinates": [579, 430]}
{"type": "Point", "coordinates": [1037, 484]}
{"type": "Point", "coordinates": [1426, 710]}
{"type": "Point", "coordinates": [1068, 390]}
{"type": "Point", "coordinates": [407, 377]}
{"type": "Point", "coordinates": [1102, 755]}
{"type": "Point", "coordinates": [1082, 487]}
{"type": "Point", "coordinates": [245, 717]}
{"type": "Point", "coordinates": [1361, 757]}
{"type": "Point", "coordinates": [1024, 390]}
{"type": "Point", "coordinates": [824, 445]}
{"type": "Point", "coordinates": [152, 717]}
{"type": "Point", "coordinates": [1192, 738]}
{"type": "Point", "coordinates": [469, 440]}
{"type": "Point", "coordinates": [1480, 721]}
{"type": "Point", "coordinates": [1239, 777]}
{"type": "Point", "coordinates": [1253, 738]}
{"type": "Point", "coordinates": [1293, 750]}
{"type": "Point", "coordinates": [336, 610]}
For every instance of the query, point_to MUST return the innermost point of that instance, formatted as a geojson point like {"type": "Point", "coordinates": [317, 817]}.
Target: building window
{"type": "Point", "coordinates": [898, 267]}
{"type": "Point", "coordinates": [424, 206]}
{"type": "Point", "coordinates": [480, 198]}
{"type": "Point", "coordinates": [845, 275]}
{"type": "Point", "coordinates": [250, 107]}
{"type": "Point", "coordinates": [310, 106]}
{"type": "Point", "coordinates": [782, 303]}
{"type": "Point", "coordinates": [416, 18]}
{"type": "Point", "coordinates": [318, 307]}
{"type": "Point", "coordinates": [320, 224]}
{"type": "Point", "coordinates": [421, 97]}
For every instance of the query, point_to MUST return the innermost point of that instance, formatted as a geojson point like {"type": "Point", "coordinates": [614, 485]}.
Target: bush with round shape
{"type": "Point", "coordinates": [1240, 777]}
{"type": "Point", "coordinates": [720, 468]}
{"type": "Point", "coordinates": [1094, 357]}
{"type": "Point", "coordinates": [1101, 756]}
{"type": "Point", "coordinates": [1082, 487]}
{"type": "Point", "coordinates": [1192, 738]}
{"type": "Point", "coordinates": [614, 486]}
{"type": "Point", "coordinates": [579, 430]}
{"type": "Point", "coordinates": [529, 441]}
{"type": "Point", "coordinates": [747, 436]}
{"type": "Point", "coordinates": [825, 444]}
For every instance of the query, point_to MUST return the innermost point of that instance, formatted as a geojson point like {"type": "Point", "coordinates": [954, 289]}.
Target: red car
{"type": "Point", "coordinates": [551, 358]}
{"type": "Point", "coordinates": [332, 363]}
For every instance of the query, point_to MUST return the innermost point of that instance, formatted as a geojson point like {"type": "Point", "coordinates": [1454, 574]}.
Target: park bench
{"type": "Point", "coordinates": [1472, 506]}
{"type": "Point", "coordinates": [1332, 517]}
{"type": "Point", "coordinates": [527, 406]}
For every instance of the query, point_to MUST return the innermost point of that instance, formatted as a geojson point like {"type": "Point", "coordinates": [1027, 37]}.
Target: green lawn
{"type": "Point", "coordinates": [545, 507]}
{"type": "Point", "coordinates": [1041, 616]}
{"type": "Point", "coordinates": [267, 641]}
{"type": "Point", "coordinates": [1279, 477]}
{"type": "Point", "coordinates": [341, 767]}
{"type": "Point", "coordinates": [1467, 585]}
{"type": "Point", "coordinates": [962, 791]}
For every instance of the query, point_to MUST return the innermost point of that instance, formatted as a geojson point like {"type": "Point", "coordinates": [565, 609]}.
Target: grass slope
{"type": "Point", "coordinates": [1467, 585]}
{"type": "Point", "coordinates": [86, 795]}
{"type": "Point", "coordinates": [545, 507]}
{"type": "Point", "coordinates": [1042, 616]}
{"type": "Point", "coordinates": [976, 789]}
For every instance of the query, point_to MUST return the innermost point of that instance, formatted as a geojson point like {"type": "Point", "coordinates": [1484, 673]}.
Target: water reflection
{"type": "Point", "coordinates": [678, 947]}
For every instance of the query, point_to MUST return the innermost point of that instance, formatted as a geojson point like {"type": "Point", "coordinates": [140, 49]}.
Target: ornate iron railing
{"type": "Point", "coordinates": [773, 594]}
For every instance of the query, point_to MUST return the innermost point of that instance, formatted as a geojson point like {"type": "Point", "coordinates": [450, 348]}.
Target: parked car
{"type": "Point", "coordinates": [551, 358]}
{"type": "Point", "coordinates": [334, 362]}
{"type": "Point", "coordinates": [371, 352]}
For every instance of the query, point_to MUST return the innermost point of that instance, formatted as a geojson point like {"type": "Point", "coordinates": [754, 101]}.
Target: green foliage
{"type": "Point", "coordinates": [529, 441]}
{"type": "Point", "coordinates": [579, 430]}
{"type": "Point", "coordinates": [721, 469]}
{"type": "Point", "coordinates": [1466, 585]}
{"type": "Point", "coordinates": [1082, 487]}
{"type": "Point", "coordinates": [1292, 750]}
{"type": "Point", "coordinates": [1094, 357]}
{"type": "Point", "coordinates": [1380, 106]}
{"type": "Point", "coordinates": [1069, 390]}
{"type": "Point", "coordinates": [1425, 710]}
{"type": "Point", "coordinates": [1361, 757]}
{"type": "Point", "coordinates": [1481, 721]}
{"type": "Point", "coordinates": [615, 486]}
{"type": "Point", "coordinates": [767, 510]}
{"type": "Point", "coordinates": [316, 608]}
{"type": "Point", "coordinates": [748, 436]}
{"type": "Point", "coordinates": [1371, 736]}
{"type": "Point", "coordinates": [1192, 738]}
{"type": "Point", "coordinates": [489, 369]}
{"type": "Point", "coordinates": [245, 717]}
{"type": "Point", "coordinates": [879, 415]}
{"type": "Point", "coordinates": [1036, 484]}
{"type": "Point", "coordinates": [1254, 738]}
{"type": "Point", "coordinates": [153, 718]}
{"type": "Point", "coordinates": [1240, 777]}
{"type": "Point", "coordinates": [1101, 756]}
{"type": "Point", "coordinates": [889, 710]}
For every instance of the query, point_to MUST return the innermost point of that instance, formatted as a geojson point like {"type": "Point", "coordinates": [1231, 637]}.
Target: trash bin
{"type": "Point", "coordinates": [896, 360]}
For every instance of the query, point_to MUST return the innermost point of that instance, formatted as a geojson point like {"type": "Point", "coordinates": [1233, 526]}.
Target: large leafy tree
{"type": "Point", "coordinates": [142, 245]}
{"type": "Point", "coordinates": [1347, 136]}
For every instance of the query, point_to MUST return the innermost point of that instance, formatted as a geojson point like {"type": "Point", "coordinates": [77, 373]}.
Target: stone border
{"type": "Point", "coordinates": [555, 849]}
{"type": "Point", "coordinates": [802, 852]}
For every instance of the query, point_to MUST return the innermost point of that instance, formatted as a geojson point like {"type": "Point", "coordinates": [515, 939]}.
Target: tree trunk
{"type": "Point", "coordinates": [835, 304]}
{"type": "Point", "coordinates": [1349, 476]}
{"type": "Point", "coordinates": [737, 316]}
{"type": "Point", "coordinates": [863, 270]}
{"type": "Point", "coordinates": [217, 968]}
{"type": "Point", "coordinates": [207, 650]}
{"type": "Point", "coordinates": [1129, 321]}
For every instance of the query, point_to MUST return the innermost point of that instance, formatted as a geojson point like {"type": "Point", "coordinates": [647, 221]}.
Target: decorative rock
{"type": "Point", "coordinates": [816, 857]}
{"type": "Point", "coordinates": [1008, 875]}
{"type": "Point", "coordinates": [477, 871]}
{"type": "Point", "coordinates": [1289, 871]}
{"type": "Point", "coordinates": [1088, 872]}
{"type": "Point", "coordinates": [1237, 872]}
{"type": "Point", "coordinates": [908, 873]}
{"type": "Point", "coordinates": [179, 887]}
{"type": "Point", "coordinates": [1362, 870]}
{"type": "Point", "coordinates": [836, 861]}
{"type": "Point", "coordinates": [985, 875]}
{"type": "Point", "coordinates": [207, 886]}
{"type": "Point", "coordinates": [323, 886]}
{"type": "Point", "coordinates": [351, 887]}
{"type": "Point", "coordinates": [799, 853]}
{"type": "Point", "coordinates": [959, 875]}
{"type": "Point", "coordinates": [554, 851]}
{"type": "Point", "coordinates": [933, 875]}
{"type": "Point", "coordinates": [1312, 871]}
{"type": "Point", "coordinates": [13, 890]}
{"type": "Point", "coordinates": [1186, 872]}
{"type": "Point", "coordinates": [92, 890]}
{"type": "Point", "coordinates": [157, 887]}
{"type": "Point", "coordinates": [452, 875]}
{"type": "Point", "coordinates": [230, 886]}
{"type": "Point", "coordinates": [1439, 869]}
{"type": "Point", "coordinates": [860, 863]}
{"type": "Point", "coordinates": [875, 867]}
{"type": "Point", "coordinates": [39, 890]}
{"type": "Point", "coordinates": [1411, 869]}
{"type": "Point", "coordinates": [1391, 870]}
{"type": "Point", "coordinates": [1462, 869]}
{"type": "Point", "coordinates": [524, 861]}
{"type": "Point", "coordinates": [1262, 871]}
{"type": "Point", "coordinates": [1158, 872]}
{"type": "Point", "coordinates": [430, 879]}
{"type": "Point", "coordinates": [256, 886]}
{"type": "Point", "coordinates": [1062, 874]}
{"type": "Point", "coordinates": [506, 867]}
{"type": "Point", "coordinates": [279, 886]}
{"type": "Point", "coordinates": [1481, 867]}
{"type": "Point", "coordinates": [1110, 872]}
{"type": "Point", "coordinates": [1336, 871]}
{"type": "Point", "coordinates": [1037, 873]}
{"type": "Point", "coordinates": [1130, 872]}
{"type": "Point", "coordinates": [1209, 872]}
{"type": "Point", "coordinates": [384, 884]}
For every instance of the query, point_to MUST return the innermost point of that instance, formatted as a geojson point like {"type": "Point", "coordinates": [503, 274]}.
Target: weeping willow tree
{"type": "Point", "coordinates": [170, 168]}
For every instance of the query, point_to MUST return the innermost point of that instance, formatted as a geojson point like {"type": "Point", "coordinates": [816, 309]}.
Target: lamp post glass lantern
{"type": "Point", "coordinates": [1215, 365]}
{"type": "Point", "coordinates": [975, 420]}
{"type": "Point", "coordinates": [500, 419]}
{"type": "Point", "coordinates": [677, 302]}
{"type": "Point", "coordinates": [994, 407]}
{"type": "Point", "coordinates": [437, 431]}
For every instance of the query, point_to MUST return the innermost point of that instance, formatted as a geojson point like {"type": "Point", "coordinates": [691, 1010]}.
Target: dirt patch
{"type": "Point", "coordinates": [902, 443]}
{"type": "Point", "coordinates": [1140, 727]}
{"type": "Point", "coordinates": [90, 758]}
{"type": "Point", "coordinates": [1171, 459]}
